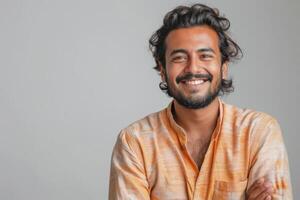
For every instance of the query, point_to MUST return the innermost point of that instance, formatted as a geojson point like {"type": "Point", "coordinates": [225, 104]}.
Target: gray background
{"type": "Point", "coordinates": [73, 73]}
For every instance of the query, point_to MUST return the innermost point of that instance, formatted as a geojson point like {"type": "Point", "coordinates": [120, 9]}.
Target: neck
{"type": "Point", "coordinates": [197, 122]}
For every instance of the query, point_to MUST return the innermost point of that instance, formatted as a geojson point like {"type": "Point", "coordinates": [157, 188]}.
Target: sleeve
{"type": "Point", "coordinates": [269, 159]}
{"type": "Point", "coordinates": [127, 173]}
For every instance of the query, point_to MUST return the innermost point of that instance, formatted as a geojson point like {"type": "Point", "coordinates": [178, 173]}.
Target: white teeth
{"type": "Point", "coordinates": [195, 82]}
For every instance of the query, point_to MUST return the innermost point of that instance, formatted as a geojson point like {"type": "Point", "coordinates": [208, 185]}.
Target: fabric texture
{"type": "Point", "coordinates": [150, 159]}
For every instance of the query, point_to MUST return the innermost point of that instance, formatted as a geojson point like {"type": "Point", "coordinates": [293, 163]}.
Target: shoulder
{"type": "Point", "coordinates": [137, 138]}
{"type": "Point", "coordinates": [143, 129]}
{"type": "Point", "coordinates": [255, 128]}
{"type": "Point", "coordinates": [255, 125]}
{"type": "Point", "coordinates": [244, 117]}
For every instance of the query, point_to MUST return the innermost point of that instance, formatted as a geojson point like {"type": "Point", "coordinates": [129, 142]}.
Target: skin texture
{"type": "Point", "coordinates": [193, 50]}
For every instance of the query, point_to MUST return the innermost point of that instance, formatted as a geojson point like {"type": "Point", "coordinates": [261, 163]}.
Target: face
{"type": "Point", "coordinates": [193, 66]}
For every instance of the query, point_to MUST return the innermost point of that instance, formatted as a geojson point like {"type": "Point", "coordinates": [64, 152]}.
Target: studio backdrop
{"type": "Point", "coordinates": [74, 73]}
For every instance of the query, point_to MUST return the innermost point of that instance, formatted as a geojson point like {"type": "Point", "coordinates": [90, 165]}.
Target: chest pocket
{"type": "Point", "coordinates": [229, 190]}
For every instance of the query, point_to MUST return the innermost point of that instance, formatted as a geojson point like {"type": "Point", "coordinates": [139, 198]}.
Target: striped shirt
{"type": "Point", "coordinates": [150, 159]}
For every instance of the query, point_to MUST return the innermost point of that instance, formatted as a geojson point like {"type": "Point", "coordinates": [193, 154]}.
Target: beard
{"type": "Point", "coordinates": [194, 102]}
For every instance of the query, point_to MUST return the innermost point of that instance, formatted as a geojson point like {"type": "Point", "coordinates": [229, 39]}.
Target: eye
{"type": "Point", "coordinates": [206, 56]}
{"type": "Point", "coordinates": [179, 59]}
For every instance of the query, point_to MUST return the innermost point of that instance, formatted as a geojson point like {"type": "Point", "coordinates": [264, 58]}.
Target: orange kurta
{"type": "Point", "coordinates": [150, 159]}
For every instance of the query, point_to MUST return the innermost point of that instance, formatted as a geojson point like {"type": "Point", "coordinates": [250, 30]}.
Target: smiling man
{"type": "Point", "coordinates": [199, 147]}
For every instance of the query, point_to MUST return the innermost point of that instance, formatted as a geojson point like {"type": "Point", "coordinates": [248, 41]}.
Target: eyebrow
{"type": "Point", "coordinates": [199, 50]}
{"type": "Point", "coordinates": [206, 50]}
{"type": "Point", "coordinates": [178, 51]}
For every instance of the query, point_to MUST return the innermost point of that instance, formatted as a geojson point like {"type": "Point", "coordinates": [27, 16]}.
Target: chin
{"type": "Point", "coordinates": [197, 96]}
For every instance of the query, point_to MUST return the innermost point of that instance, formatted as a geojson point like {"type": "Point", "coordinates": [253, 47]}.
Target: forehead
{"type": "Point", "coordinates": [192, 38]}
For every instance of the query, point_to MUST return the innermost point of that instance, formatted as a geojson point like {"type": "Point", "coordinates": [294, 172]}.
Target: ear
{"type": "Point", "coordinates": [162, 72]}
{"type": "Point", "coordinates": [225, 70]}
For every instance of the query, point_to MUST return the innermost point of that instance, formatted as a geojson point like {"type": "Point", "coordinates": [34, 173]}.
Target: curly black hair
{"type": "Point", "coordinates": [195, 15]}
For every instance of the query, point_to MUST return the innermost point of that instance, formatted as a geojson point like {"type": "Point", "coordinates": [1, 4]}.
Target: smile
{"type": "Point", "coordinates": [194, 82]}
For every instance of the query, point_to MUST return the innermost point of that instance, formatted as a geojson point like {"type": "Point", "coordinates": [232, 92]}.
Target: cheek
{"type": "Point", "coordinates": [172, 75]}
{"type": "Point", "coordinates": [217, 75]}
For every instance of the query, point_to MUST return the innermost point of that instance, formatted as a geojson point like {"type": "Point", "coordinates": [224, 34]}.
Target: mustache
{"type": "Point", "coordinates": [189, 76]}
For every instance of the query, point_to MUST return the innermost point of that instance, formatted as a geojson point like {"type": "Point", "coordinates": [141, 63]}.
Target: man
{"type": "Point", "coordinates": [199, 147]}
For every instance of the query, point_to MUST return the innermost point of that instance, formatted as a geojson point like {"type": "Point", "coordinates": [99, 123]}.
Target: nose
{"type": "Point", "coordinates": [193, 64]}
